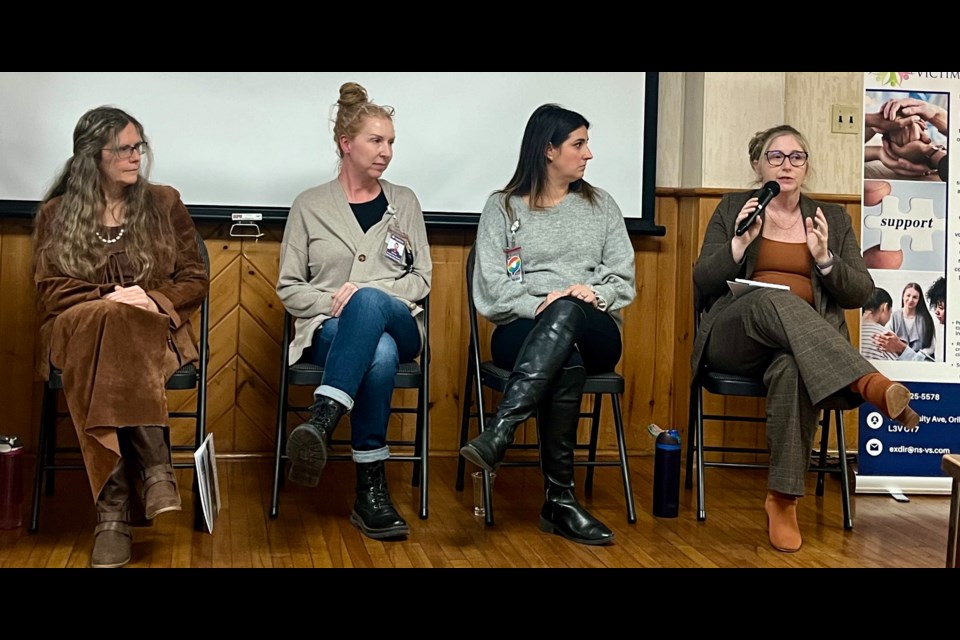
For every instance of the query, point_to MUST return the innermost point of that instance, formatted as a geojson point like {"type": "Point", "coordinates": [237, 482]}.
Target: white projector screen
{"type": "Point", "coordinates": [249, 140]}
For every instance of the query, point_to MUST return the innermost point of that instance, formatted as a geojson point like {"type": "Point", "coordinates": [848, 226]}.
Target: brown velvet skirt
{"type": "Point", "coordinates": [115, 359]}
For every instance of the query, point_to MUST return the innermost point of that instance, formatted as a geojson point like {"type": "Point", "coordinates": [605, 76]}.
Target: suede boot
{"type": "Point", "coordinates": [558, 419]}
{"type": "Point", "coordinates": [134, 504]}
{"type": "Point", "coordinates": [782, 526]}
{"type": "Point", "coordinates": [307, 444]}
{"type": "Point", "coordinates": [112, 536]}
{"type": "Point", "coordinates": [373, 512]}
{"type": "Point", "coordinates": [544, 351]}
{"type": "Point", "coordinates": [891, 398]}
{"type": "Point", "coordinates": [158, 489]}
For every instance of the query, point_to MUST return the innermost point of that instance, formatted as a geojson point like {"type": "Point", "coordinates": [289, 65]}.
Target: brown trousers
{"type": "Point", "coordinates": [115, 360]}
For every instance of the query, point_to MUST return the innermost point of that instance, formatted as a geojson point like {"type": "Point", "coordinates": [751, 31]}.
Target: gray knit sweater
{"type": "Point", "coordinates": [571, 243]}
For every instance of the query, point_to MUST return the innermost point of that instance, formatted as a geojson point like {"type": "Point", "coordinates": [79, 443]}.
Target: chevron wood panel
{"type": "Point", "coordinates": [222, 406]}
{"type": "Point", "coordinates": [224, 290]}
{"type": "Point", "coordinates": [257, 400]}
{"type": "Point", "coordinates": [223, 340]}
{"type": "Point", "coordinates": [245, 332]}
{"type": "Point", "coordinates": [258, 350]}
{"type": "Point", "coordinates": [258, 296]}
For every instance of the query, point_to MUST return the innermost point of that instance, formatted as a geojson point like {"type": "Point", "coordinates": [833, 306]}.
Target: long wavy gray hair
{"type": "Point", "coordinates": [73, 245]}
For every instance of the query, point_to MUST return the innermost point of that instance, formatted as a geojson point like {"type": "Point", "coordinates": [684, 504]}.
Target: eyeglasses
{"type": "Point", "coordinates": [776, 158]}
{"type": "Point", "coordinates": [127, 150]}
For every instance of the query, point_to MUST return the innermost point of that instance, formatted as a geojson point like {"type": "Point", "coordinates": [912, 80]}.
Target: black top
{"type": "Point", "coordinates": [370, 213]}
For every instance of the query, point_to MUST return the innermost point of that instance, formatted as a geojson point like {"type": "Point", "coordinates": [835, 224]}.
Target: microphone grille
{"type": "Point", "coordinates": [773, 186]}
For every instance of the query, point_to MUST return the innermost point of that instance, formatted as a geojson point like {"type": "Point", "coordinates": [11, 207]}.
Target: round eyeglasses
{"type": "Point", "coordinates": [776, 158]}
{"type": "Point", "coordinates": [127, 150]}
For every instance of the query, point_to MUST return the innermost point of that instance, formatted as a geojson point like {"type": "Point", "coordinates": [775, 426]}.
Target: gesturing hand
{"type": "Point", "coordinates": [817, 235]}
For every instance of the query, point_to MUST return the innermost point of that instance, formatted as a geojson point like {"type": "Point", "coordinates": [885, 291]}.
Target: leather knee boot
{"type": "Point", "coordinates": [307, 444]}
{"type": "Point", "coordinates": [158, 489]}
{"type": "Point", "coordinates": [558, 419]}
{"type": "Point", "coordinates": [373, 512]}
{"type": "Point", "coordinates": [112, 536]}
{"type": "Point", "coordinates": [543, 353]}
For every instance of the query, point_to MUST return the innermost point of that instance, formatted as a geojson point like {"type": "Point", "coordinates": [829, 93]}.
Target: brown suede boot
{"type": "Point", "coordinates": [782, 526]}
{"type": "Point", "coordinates": [112, 537]}
{"type": "Point", "coordinates": [160, 491]}
{"type": "Point", "coordinates": [113, 541]}
{"type": "Point", "coordinates": [892, 398]}
{"type": "Point", "coordinates": [150, 446]}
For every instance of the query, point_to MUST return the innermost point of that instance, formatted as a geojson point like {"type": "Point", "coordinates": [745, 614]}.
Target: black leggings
{"type": "Point", "coordinates": [598, 350]}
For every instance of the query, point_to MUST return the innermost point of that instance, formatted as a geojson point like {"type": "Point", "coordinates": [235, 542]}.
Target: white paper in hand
{"type": "Point", "coordinates": [741, 286]}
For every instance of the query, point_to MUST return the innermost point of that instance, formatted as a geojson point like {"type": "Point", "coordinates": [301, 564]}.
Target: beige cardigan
{"type": "Point", "coordinates": [324, 247]}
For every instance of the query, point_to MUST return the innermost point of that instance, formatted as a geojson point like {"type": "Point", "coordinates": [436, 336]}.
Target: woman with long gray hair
{"type": "Point", "coordinates": [119, 275]}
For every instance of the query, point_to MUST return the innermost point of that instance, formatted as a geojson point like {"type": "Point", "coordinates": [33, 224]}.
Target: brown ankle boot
{"type": "Point", "coordinates": [112, 541]}
{"type": "Point", "coordinates": [160, 491]}
{"type": "Point", "coordinates": [782, 526]}
{"type": "Point", "coordinates": [112, 537]}
{"type": "Point", "coordinates": [892, 398]}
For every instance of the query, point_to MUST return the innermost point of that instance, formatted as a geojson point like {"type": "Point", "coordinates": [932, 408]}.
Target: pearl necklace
{"type": "Point", "coordinates": [108, 239]}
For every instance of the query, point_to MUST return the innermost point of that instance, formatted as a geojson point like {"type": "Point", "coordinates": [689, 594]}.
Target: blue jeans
{"type": "Point", "coordinates": [361, 352]}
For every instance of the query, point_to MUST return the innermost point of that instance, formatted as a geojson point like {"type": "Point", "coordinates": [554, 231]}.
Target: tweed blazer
{"type": "Point", "coordinates": [848, 285]}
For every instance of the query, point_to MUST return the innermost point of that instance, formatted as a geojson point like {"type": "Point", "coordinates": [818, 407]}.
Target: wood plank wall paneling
{"type": "Point", "coordinates": [246, 328]}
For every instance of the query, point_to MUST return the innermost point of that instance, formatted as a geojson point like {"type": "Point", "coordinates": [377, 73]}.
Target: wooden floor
{"type": "Point", "coordinates": [313, 528]}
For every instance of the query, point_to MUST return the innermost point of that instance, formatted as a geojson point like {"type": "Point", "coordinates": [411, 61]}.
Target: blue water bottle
{"type": "Point", "coordinates": [666, 474]}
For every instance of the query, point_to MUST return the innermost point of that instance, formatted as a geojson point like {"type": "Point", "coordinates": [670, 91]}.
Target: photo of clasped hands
{"type": "Point", "coordinates": [907, 148]}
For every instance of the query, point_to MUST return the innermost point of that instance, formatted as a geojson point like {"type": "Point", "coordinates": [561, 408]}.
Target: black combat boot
{"type": "Point", "coordinates": [557, 422]}
{"type": "Point", "coordinates": [373, 513]}
{"type": "Point", "coordinates": [544, 351]}
{"type": "Point", "coordinates": [307, 444]}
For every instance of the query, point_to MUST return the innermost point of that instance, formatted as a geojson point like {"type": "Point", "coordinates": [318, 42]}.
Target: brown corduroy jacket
{"type": "Point", "coordinates": [179, 296]}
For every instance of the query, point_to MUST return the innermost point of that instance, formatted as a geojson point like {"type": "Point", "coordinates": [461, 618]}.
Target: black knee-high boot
{"type": "Point", "coordinates": [545, 349]}
{"type": "Point", "coordinates": [557, 420]}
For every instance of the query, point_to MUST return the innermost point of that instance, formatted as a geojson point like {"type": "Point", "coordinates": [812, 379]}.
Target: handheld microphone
{"type": "Point", "coordinates": [767, 193]}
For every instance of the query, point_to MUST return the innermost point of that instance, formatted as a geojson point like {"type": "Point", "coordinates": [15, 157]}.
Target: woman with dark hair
{"type": "Point", "coordinates": [354, 262]}
{"type": "Point", "coordinates": [912, 322]}
{"type": "Point", "coordinates": [554, 266]}
{"type": "Point", "coordinates": [118, 274]}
